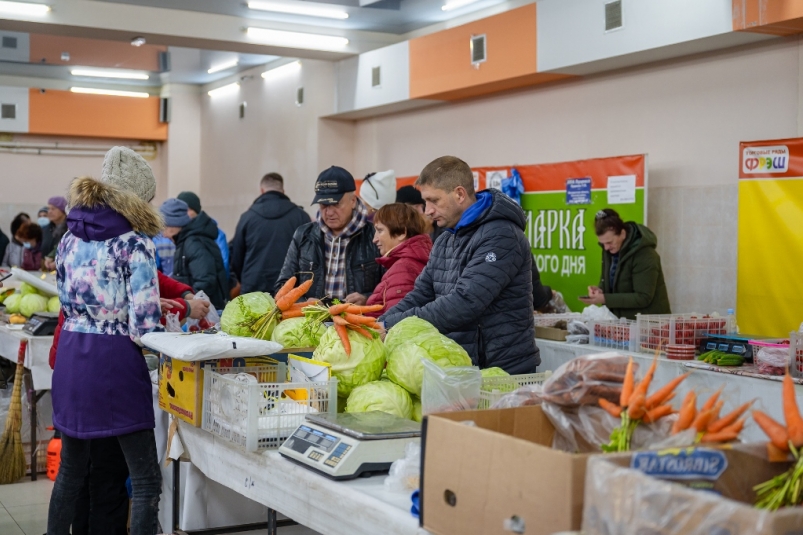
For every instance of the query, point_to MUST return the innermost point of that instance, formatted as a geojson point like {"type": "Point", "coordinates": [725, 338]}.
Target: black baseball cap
{"type": "Point", "coordinates": [332, 184]}
{"type": "Point", "coordinates": [409, 195]}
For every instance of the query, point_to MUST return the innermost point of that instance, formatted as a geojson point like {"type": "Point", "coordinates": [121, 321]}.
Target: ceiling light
{"type": "Point", "coordinates": [224, 89]}
{"type": "Point", "coordinates": [110, 92]}
{"type": "Point", "coordinates": [287, 68]}
{"type": "Point", "coordinates": [456, 4]}
{"type": "Point", "coordinates": [311, 11]}
{"type": "Point", "coordinates": [23, 8]}
{"type": "Point", "coordinates": [223, 66]}
{"type": "Point", "coordinates": [137, 41]}
{"type": "Point", "coordinates": [100, 73]}
{"type": "Point", "coordinates": [298, 40]}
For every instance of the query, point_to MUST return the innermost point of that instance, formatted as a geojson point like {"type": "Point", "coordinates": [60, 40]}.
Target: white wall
{"type": "Point", "coordinates": [183, 148]}
{"type": "Point", "coordinates": [17, 96]}
{"type": "Point", "coordinates": [354, 76]}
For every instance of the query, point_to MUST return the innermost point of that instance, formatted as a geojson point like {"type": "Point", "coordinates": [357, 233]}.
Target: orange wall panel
{"type": "Point", "coordinates": [75, 114]}
{"type": "Point", "coordinates": [776, 17]}
{"type": "Point", "coordinates": [440, 63]}
{"type": "Point", "coordinates": [94, 53]}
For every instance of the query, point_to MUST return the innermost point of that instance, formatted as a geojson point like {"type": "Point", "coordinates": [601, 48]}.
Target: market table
{"type": "Point", "coordinates": [766, 390]}
{"type": "Point", "coordinates": [360, 506]}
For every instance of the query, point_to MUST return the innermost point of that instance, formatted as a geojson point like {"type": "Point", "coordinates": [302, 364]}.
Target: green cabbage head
{"type": "Point", "coordinates": [298, 332]}
{"type": "Point", "coordinates": [364, 365]}
{"type": "Point", "coordinates": [53, 304]}
{"type": "Point", "coordinates": [245, 310]}
{"type": "Point", "coordinates": [413, 339]}
{"type": "Point", "coordinates": [381, 396]}
{"type": "Point", "coordinates": [32, 303]}
{"type": "Point", "coordinates": [12, 303]}
{"type": "Point", "coordinates": [418, 414]}
{"type": "Point", "coordinates": [26, 289]}
{"type": "Point", "coordinates": [494, 372]}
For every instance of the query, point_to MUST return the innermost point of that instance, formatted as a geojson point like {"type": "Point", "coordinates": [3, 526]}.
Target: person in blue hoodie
{"type": "Point", "coordinates": [477, 287]}
{"type": "Point", "coordinates": [109, 292]}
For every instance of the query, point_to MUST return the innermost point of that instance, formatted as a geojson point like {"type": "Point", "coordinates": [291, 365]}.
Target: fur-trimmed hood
{"type": "Point", "coordinates": [86, 192]}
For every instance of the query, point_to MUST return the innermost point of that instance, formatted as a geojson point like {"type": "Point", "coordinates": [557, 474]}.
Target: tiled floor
{"type": "Point", "coordinates": [23, 510]}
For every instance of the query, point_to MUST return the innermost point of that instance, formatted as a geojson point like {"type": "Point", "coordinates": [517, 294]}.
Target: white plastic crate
{"type": "Point", "coordinates": [494, 388]}
{"type": "Point", "coordinates": [657, 331]}
{"type": "Point", "coordinates": [619, 334]}
{"type": "Point", "coordinates": [260, 413]}
{"type": "Point", "coordinates": [549, 320]}
{"type": "Point", "coordinates": [796, 354]}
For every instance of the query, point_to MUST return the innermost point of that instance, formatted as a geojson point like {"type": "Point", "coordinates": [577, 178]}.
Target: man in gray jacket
{"type": "Point", "coordinates": [477, 286]}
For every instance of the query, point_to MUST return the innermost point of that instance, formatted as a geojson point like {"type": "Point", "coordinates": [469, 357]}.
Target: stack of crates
{"type": "Point", "coordinates": [657, 331]}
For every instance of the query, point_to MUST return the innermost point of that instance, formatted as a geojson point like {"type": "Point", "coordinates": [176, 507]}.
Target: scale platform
{"type": "Point", "coordinates": [350, 445]}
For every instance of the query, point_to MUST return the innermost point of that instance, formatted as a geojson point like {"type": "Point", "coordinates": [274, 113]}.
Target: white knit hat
{"type": "Point", "coordinates": [379, 189]}
{"type": "Point", "coordinates": [127, 170]}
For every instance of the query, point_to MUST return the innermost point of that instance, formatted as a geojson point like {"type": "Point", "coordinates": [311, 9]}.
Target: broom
{"type": "Point", "coordinates": [12, 456]}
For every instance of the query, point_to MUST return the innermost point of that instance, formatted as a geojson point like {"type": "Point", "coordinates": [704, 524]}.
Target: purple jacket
{"type": "Point", "coordinates": [108, 287]}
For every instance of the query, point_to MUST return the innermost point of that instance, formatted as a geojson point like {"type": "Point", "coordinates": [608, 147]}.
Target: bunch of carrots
{"type": "Point", "coordinates": [346, 317]}
{"type": "Point", "coordinates": [635, 406]}
{"type": "Point", "coordinates": [286, 306]}
{"type": "Point", "coordinates": [709, 426]}
{"type": "Point", "coordinates": [786, 489]}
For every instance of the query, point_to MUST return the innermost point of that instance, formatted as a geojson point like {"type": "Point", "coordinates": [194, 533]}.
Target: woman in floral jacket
{"type": "Point", "coordinates": [107, 281]}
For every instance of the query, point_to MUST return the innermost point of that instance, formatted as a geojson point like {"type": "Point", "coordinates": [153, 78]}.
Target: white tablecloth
{"type": "Point", "coordinates": [361, 506]}
{"type": "Point", "coordinates": [36, 356]}
{"type": "Point", "coordinates": [739, 389]}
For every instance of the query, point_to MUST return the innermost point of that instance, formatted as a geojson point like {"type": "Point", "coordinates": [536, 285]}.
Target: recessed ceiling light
{"type": "Point", "coordinates": [224, 89]}
{"type": "Point", "coordinates": [23, 8]}
{"type": "Point", "coordinates": [287, 68]}
{"type": "Point", "coordinates": [223, 66]}
{"type": "Point", "coordinates": [297, 39]}
{"type": "Point", "coordinates": [310, 11]}
{"type": "Point", "coordinates": [100, 73]}
{"type": "Point", "coordinates": [110, 92]}
{"type": "Point", "coordinates": [456, 4]}
{"type": "Point", "coordinates": [138, 41]}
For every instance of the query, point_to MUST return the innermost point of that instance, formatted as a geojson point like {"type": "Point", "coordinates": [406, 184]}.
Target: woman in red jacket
{"type": "Point", "coordinates": [405, 251]}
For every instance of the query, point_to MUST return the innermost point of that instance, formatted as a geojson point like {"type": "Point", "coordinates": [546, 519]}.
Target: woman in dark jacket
{"type": "Point", "coordinates": [405, 251]}
{"type": "Point", "coordinates": [632, 278]}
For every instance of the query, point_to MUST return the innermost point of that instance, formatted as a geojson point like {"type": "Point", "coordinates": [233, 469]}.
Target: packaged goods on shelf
{"type": "Point", "coordinates": [620, 334]}
{"type": "Point", "coordinates": [656, 331]}
{"type": "Point", "coordinates": [771, 356]}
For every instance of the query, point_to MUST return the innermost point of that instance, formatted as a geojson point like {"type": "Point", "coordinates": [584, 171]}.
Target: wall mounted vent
{"type": "Point", "coordinates": [9, 42]}
{"type": "Point", "coordinates": [8, 111]}
{"type": "Point", "coordinates": [613, 15]}
{"type": "Point", "coordinates": [299, 96]}
{"type": "Point", "coordinates": [164, 110]}
{"type": "Point", "coordinates": [376, 76]}
{"type": "Point", "coordinates": [164, 62]}
{"type": "Point", "coordinates": [478, 49]}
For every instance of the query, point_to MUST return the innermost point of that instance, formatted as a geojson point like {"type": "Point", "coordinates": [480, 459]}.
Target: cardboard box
{"type": "Point", "coordinates": [551, 333]}
{"type": "Point", "coordinates": [499, 476]}
{"type": "Point", "coordinates": [181, 383]}
{"type": "Point", "coordinates": [684, 492]}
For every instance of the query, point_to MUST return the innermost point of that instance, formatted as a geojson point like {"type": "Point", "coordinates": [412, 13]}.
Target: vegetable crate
{"type": "Point", "coordinates": [796, 354]}
{"type": "Point", "coordinates": [255, 408]}
{"type": "Point", "coordinates": [494, 388]}
{"type": "Point", "coordinates": [657, 331]}
{"type": "Point", "coordinates": [619, 334]}
{"type": "Point", "coordinates": [550, 320]}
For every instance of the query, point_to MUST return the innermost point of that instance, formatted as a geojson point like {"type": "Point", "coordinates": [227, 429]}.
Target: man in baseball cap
{"type": "Point", "coordinates": [336, 249]}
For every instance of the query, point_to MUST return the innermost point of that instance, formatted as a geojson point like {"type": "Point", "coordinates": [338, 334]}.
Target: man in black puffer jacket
{"type": "Point", "coordinates": [337, 249]}
{"type": "Point", "coordinates": [477, 287]}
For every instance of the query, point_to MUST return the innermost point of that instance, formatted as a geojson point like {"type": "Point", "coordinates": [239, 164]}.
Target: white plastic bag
{"type": "Point", "coordinates": [212, 317]}
{"type": "Point", "coordinates": [172, 323]}
{"type": "Point", "coordinates": [192, 347]}
{"type": "Point", "coordinates": [595, 313]}
{"type": "Point", "coordinates": [405, 474]}
{"type": "Point", "coordinates": [449, 389]}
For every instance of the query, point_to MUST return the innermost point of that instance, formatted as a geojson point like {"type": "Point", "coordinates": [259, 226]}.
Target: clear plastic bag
{"type": "Point", "coordinates": [557, 305]}
{"type": "Point", "coordinates": [521, 397]}
{"type": "Point", "coordinates": [582, 381]}
{"type": "Point", "coordinates": [577, 339]}
{"type": "Point", "coordinates": [772, 360]}
{"type": "Point", "coordinates": [449, 389]}
{"type": "Point", "coordinates": [172, 323]}
{"type": "Point", "coordinates": [212, 319]}
{"type": "Point", "coordinates": [596, 313]}
{"type": "Point", "coordinates": [405, 474]}
{"type": "Point", "coordinates": [577, 327]}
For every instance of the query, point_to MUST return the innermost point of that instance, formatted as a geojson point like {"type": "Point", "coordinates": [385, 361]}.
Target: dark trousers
{"type": "Point", "coordinates": [139, 450]}
{"type": "Point", "coordinates": [102, 505]}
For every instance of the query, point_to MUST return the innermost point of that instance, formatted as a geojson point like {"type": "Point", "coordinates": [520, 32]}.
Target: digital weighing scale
{"type": "Point", "coordinates": [350, 445]}
{"type": "Point", "coordinates": [42, 324]}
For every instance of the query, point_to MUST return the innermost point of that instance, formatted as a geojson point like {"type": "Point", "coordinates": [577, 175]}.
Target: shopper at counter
{"type": "Point", "coordinates": [55, 230]}
{"type": "Point", "coordinates": [477, 285]}
{"type": "Point", "coordinates": [632, 278]}
{"type": "Point", "coordinates": [410, 196]}
{"type": "Point", "coordinates": [12, 257]}
{"type": "Point", "coordinates": [337, 249]}
{"type": "Point", "coordinates": [405, 251]}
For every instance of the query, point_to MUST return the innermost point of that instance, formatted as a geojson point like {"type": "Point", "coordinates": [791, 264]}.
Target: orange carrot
{"type": "Point", "coordinates": [715, 411]}
{"type": "Point", "coordinates": [375, 326]}
{"type": "Point", "coordinates": [637, 408]}
{"type": "Point", "coordinates": [292, 313]}
{"type": "Point", "coordinates": [286, 287]}
{"type": "Point", "coordinates": [336, 310]}
{"type": "Point", "coordinates": [657, 413]}
{"type": "Point", "coordinates": [644, 385]}
{"type": "Point", "coordinates": [627, 384]}
{"type": "Point", "coordinates": [791, 413]}
{"type": "Point", "coordinates": [775, 431]}
{"type": "Point", "coordinates": [359, 320]}
{"type": "Point", "coordinates": [729, 418]}
{"type": "Point", "coordinates": [662, 394]}
{"type": "Point", "coordinates": [284, 302]}
{"type": "Point", "coordinates": [702, 420]}
{"type": "Point", "coordinates": [361, 330]}
{"type": "Point", "coordinates": [611, 408]}
{"type": "Point", "coordinates": [339, 320]}
{"type": "Point", "coordinates": [687, 414]}
{"type": "Point", "coordinates": [735, 427]}
{"type": "Point", "coordinates": [356, 309]}
{"type": "Point", "coordinates": [713, 399]}
{"type": "Point", "coordinates": [344, 337]}
{"type": "Point", "coordinates": [722, 436]}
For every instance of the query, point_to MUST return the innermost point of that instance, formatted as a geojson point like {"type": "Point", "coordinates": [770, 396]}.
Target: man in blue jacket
{"type": "Point", "coordinates": [194, 204]}
{"type": "Point", "coordinates": [477, 286]}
